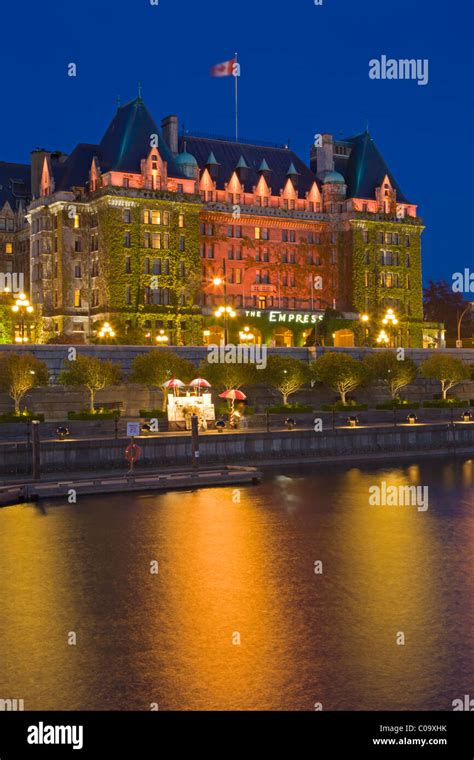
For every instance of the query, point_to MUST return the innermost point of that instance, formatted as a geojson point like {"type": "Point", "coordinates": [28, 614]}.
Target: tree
{"type": "Point", "coordinates": [156, 367]}
{"type": "Point", "coordinates": [340, 372]}
{"type": "Point", "coordinates": [91, 372]}
{"type": "Point", "coordinates": [448, 370]}
{"type": "Point", "coordinates": [223, 376]}
{"type": "Point", "coordinates": [442, 304]}
{"type": "Point", "coordinates": [19, 373]}
{"type": "Point", "coordinates": [394, 373]}
{"type": "Point", "coordinates": [285, 374]}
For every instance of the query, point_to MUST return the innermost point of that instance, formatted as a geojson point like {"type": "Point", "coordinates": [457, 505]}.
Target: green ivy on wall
{"type": "Point", "coordinates": [412, 299]}
{"type": "Point", "coordinates": [115, 279]}
{"type": "Point", "coordinates": [6, 324]}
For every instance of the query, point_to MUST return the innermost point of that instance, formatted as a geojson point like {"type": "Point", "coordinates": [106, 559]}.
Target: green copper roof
{"type": "Point", "coordinates": [242, 163]}
{"type": "Point", "coordinates": [264, 166]}
{"type": "Point", "coordinates": [333, 177]}
{"type": "Point", "coordinates": [292, 169]}
{"type": "Point", "coordinates": [366, 168]}
{"type": "Point", "coordinates": [128, 140]}
{"type": "Point", "coordinates": [212, 161]}
{"type": "Point", "coordinates": [185, 158]}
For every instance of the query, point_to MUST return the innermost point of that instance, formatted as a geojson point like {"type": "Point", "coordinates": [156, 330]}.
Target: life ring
{"type": "Point", "coordinates": [132, 452]}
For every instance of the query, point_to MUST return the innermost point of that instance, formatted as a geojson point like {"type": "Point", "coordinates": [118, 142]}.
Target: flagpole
{"type": "Point", "coordinates": [236, 105]}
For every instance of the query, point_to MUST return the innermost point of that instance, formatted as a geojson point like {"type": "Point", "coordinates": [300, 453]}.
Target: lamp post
{"type": "Point", "coordinates": [459, 320]}
{"type": "Point", "coordinates": [365, 319]}
{"type": "Point", "coordinates": [106, 331]}
{"type": "Point", "coordinates": [225, 310]}
{"type": "Point", "coordinates": [22, 306]}
{"type": "Point", "coordinates": [161, 338]}
{"type": "Point", "coordinates": [246, 336]}
{"type": "Point", "coordinates": [389, 320]}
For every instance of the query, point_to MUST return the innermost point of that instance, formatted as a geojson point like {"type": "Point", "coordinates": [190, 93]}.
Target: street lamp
{"type": "Point", "coordinates": [382, 337]}
{"type": "Point", "coordinates": [106, 331]}
{"type": "Point", "coordinates": [389, 320]}
{"type": "Point", "coordinates": [459, 319]}
{"type": "Point", "coordinates": [246, 335]}
{"type": "Point", "coordinates": [161, 338]}
{"type": "Point", "coordinates": [225, 310]}
{"type": "Point", "coordinates": [22, 306]}
{"type": "Point", "coordinates": [365, 319]}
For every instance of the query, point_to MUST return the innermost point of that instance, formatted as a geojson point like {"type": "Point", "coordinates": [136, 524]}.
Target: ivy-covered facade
{"type": "Point", "coordinates": [115, 239]}
{"type": "Point", "coordinates": [142, 237]}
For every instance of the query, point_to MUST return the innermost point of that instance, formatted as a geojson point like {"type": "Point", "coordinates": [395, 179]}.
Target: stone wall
{"type": "Point", "coordinates": [104, 454]}
{"type": "Point", "coordinates": [55, 355]}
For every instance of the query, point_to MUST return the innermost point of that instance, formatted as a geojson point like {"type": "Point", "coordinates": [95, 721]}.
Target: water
{"type": "Point", "coordinates": [247, 568]}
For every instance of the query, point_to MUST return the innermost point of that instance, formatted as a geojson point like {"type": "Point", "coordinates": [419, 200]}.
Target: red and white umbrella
{"type": "Point", "coordinates": [199, 382]}
{"type": "Point", "coordinates": [233, 395]}
{"type": "Point", "coordinates": [173, 383]}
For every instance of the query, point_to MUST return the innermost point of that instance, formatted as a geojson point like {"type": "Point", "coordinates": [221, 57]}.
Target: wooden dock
{"type": "Point", "coordinates": [18, 493]}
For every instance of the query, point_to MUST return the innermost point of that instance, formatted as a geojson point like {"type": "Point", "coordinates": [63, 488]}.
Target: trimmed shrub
{"type": "Point", "coordinates": [442, 403]}
{"type": "Point", "coordinates": [151, 413]}
{"type": "Point", "coordinates": [285, 408]}
{"type": "Point", "coordinates": [351, 406]}
{"type": "Point", "coordinates": [99, 415]}
{"type": "Point", "coordinates": [28, 417]}
{"type": "Point", "coordinates": [397, 404]}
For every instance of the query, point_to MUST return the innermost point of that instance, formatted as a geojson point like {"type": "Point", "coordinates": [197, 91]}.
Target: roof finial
{"type": "Point", "coordinates": [118, 102]}
{"type": "Point", "coordinates": [367, 126]}
{"type": "Point", "coordinates": [140, 90]}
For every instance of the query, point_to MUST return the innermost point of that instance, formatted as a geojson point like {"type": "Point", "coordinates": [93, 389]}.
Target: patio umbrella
{"type": "Point", "coordinates": [233, 395]}
{"type": "Point", "coordinates": [174, 383]}
{"type": "Point", "coordinates": [199, 382]}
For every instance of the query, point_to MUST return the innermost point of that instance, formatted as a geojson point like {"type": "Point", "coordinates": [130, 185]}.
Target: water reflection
{"type": "Point", "coordinates": [239, 566]}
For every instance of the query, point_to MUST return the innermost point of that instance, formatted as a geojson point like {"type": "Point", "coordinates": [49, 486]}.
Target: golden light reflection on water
{"type": "Point", "coordinates": [222, 558]}
{"type": "Point", "coordinates": [243, 567]}
{"type": "Point", "coordinates": [387, 554]}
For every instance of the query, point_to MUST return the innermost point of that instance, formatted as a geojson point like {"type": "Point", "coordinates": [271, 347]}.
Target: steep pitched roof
{"type": "Point", "coordinates": [228, 155]}
{"type": "Point", "coordinates": [365, 169]}
{"type": "Point", "coordinates": [74, 172]}
{"type": "Point", "coordinates": [15, 184]}
{"type": "Point", "coordinates": [127, 140]}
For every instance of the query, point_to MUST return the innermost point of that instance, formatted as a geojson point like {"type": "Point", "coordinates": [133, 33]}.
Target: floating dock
{"type": "Point", "coordinates": [18, 493]}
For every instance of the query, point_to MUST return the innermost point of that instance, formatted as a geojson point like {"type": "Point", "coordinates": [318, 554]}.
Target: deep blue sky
{"type": "Point", "coordinates": [304, 70]}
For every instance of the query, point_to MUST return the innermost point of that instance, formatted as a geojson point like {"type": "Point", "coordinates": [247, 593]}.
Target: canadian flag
{"type": "Point", "coordinates": [223, 69]}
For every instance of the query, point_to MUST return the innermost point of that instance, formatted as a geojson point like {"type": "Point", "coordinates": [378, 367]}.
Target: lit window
{"type": "Point", "coordinates": [181, 220]}
{"type": "Point", "coordinates": [8, 247]}
{"type": "Point", "coordinates": [155, 217]}
{"type": "Point", "coordinates": [76, 221]}
{"type": "Point", "coordinates": [77, 298]}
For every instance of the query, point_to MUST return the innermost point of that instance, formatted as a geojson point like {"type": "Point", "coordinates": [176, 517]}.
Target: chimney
{"type": "Point", "coordinates": [37, 161]}
{"type": "Point", "coordinates": [169, 125]}
{"type": "Point", "coordinates": [324, 156]}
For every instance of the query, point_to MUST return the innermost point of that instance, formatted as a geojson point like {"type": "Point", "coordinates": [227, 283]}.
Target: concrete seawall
{"type": "Point", "coordinates": [250, 447]}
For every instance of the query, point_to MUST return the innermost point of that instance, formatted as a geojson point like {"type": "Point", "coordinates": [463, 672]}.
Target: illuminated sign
{"type": "Point", "coordinates": [298, 317]}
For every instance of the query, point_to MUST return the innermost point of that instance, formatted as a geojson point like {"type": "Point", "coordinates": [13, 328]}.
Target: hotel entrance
{"type": "Point", "coordinates": [283, 338]}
